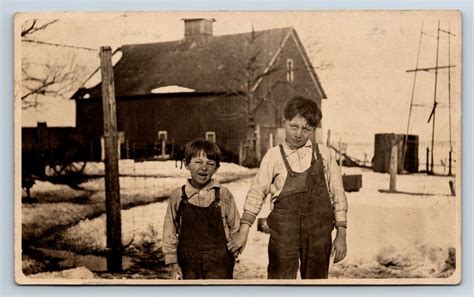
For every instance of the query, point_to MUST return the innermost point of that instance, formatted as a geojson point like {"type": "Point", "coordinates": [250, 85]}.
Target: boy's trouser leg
{"type": "Point", "coordinates": [283, 247]}
{"type": "Point", "coordinates": [282, 267]}
{"type": "Point", "coordinates": [316, 247]}
{"type": "Point", "coordinates": [218, 264]}
{"type": "Point", "coordinates": [190, 263]}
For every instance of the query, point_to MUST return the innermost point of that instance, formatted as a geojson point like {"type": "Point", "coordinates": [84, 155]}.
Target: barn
{"type": "Point", "coordinates": [214, 87]}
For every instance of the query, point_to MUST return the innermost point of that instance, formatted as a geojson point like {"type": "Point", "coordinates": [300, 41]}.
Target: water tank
{"type": "Point", "coordinates": [382, 149]}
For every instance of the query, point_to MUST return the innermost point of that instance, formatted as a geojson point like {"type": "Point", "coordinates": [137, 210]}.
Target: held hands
{"type": "Point", "coordinates": [176, 272]}
{"type": "Point", "coordinates": [237, 243]}
{"type": "Point", "coordinates": [339, 245]}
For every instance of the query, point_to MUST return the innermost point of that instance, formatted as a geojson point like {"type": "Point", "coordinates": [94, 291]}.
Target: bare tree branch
{"type": "Point", "coordinates": [54, 78]}
{"type": "Point", "coordinates": [34, 27]}
{"type": "Point", "coordinates": [50, 79]}
{"type": "Point", "coordinates": [26, 30]}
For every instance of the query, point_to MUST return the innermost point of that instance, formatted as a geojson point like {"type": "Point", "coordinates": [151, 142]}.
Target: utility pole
{"type": "Point", "coordinates": [405, 143]}
{"type": "Point", "coordinates": [435, 103]}
{"type": "Point", "coordinates": [449, 98]}
{"type": "Point", "coordinates": [112, 186]}
{"type": "Point", "coordinates": [430, 165]}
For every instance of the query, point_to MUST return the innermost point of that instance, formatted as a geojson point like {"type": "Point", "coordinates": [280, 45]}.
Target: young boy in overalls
{"type": "Point", "coordinates": [201, 217]}
{"type": "Point", "coordinates": [308, 200]}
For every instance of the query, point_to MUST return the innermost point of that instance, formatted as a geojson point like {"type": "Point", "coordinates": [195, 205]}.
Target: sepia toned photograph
{"type": "Point", "coordinates": [238, 147]}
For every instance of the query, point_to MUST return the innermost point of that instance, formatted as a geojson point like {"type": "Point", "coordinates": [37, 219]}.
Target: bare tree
{"type": "Point", "coordinates": [32, 26]}
{"type": "Point", "coordinates": [54, 78]}
{"type": "Point", "coordinates": [243, 85]}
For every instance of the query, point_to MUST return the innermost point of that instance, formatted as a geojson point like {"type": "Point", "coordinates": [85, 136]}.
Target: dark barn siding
{"type": "Point", "coordinates": [184, 118]}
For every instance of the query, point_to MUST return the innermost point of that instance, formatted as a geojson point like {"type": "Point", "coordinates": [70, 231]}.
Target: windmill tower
{"type": "Point", "coordinates": [432, 117]}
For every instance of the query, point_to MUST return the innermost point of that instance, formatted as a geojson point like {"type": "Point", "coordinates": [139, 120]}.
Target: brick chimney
{"type": "Point", "coordinates": [198, 28]}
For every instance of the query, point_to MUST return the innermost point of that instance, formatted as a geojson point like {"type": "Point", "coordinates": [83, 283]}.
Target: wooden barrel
{"type": "Point", "coordinates": [382, 149]}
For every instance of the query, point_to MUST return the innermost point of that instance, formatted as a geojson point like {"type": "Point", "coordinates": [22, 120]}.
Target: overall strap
{"type": "Point", "coordinates": [321, 166]}
{"type": "Point", "coordinates": [217, 196]}
{"type": "Point", "coordinates": [316, 150]}
{"type": "Point", "coordinates": [182, 205]}
{"type": "Point", "coordinates": [319, 161]}
{"type": "Point", "coordinates": [285, 160]}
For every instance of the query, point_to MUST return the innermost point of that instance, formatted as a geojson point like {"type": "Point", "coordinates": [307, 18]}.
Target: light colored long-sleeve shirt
{"type": "Point", "coordinates": [202, 198]}
{"type": "Point", "coordinates": [272, 174]}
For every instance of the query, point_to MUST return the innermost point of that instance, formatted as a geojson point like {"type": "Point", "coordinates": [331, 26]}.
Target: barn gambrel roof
{"type": "Point", "coordinates": [210, 65]}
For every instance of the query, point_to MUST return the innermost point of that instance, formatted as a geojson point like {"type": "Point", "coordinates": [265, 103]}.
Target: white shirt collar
{"type": "Point", "coordinates": [190, 190]}
{"type": "Point", "coordinates": [289, 151]}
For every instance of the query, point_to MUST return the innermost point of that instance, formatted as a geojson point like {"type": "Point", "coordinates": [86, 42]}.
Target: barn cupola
{"type": "Point", "coordinates": [198, 28]}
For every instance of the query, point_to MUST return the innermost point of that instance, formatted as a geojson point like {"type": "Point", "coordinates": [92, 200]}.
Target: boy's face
{"type": "Point", "coordinates": [297, 131]}
{"type": "Point", "coordinates": [202, 169]}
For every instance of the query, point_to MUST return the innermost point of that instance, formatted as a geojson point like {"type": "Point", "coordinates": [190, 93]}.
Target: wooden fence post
{"type": "Point", "coordinates": [393, 165]}
{"type": "Point", "coordinates": [163, 148]}
{"type": "Point", "coordinates": [340, 153]}
{"type": "Point", "coordinates": [450, 172]}
{"type": "Point", "coordinates": [427, 160]}
{"type": "Point", "coordinates": [112, 186]}
{"type": "Point", "coordinates": [241, 153]}
{"type": "Point", "coordinates": [452, 188]}
{"type": "Point", "coordinates": [258, 144]}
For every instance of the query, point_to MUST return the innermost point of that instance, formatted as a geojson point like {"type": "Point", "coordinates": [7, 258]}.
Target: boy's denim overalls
{"type": "Point", "coordinates": [300, 224]}
{"type": "Point", "coordinates": [202, 243]}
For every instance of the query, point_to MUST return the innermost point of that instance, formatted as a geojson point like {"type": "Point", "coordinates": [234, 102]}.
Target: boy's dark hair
{"type": "Point", "coordinates": [193, 148]}
{"type": "Point", "coordinates": [304, 107]}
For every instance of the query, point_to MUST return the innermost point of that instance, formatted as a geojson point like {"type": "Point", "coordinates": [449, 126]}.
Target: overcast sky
{"type": "Point", "coordinates": [367, 86]}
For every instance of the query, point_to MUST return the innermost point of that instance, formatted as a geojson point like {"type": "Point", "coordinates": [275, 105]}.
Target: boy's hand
{"type": "Point", "coordinates": [237, 243]}
{"type": "Point", "coordinates": [339, 245]}
{"type": "Point", "coordinates": [176, 272]}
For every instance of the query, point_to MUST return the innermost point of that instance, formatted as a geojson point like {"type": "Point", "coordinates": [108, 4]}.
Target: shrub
{"type": "Point", "coordinates": [147, 253]}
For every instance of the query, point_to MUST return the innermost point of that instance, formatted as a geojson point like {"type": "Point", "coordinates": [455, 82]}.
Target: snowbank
{"type": "Point", "coordinates": [47, 192]}
{"type": "Point", "coordinates": [76, 273]}
{"type": "Point", "coordinates": [136, 224]}
{"type": "Point", "coordinates": [138, 179]}
{"type": "Point", "coordinates": [161, 169]}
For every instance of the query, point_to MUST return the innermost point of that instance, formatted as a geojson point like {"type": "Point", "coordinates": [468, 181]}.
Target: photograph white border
{"type": "Point", "coordinates": [8, 7]}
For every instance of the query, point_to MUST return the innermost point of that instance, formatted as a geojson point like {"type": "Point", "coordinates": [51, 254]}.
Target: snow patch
{"type": "Point", "coordinates": [172, 89]}
{"type": "Point", "coordinates": [76, 273]}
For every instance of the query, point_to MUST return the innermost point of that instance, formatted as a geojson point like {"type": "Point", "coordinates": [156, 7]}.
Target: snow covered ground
{"type": "Point", "coordinates": [137, 179]}
{"type": "Point", "coordinates": [390, 235]}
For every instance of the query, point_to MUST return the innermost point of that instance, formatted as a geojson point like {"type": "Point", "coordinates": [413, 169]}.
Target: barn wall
{"type": "Point", "coordinates": [188, 116]}
{"type": "Point", "coordinates": [278, 90]}
{"type": "Point", "coordinates": [184, 118]}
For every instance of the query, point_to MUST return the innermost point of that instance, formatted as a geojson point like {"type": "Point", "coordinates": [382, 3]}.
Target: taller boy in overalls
{"type": "Point", "coordinates": [308, 198]}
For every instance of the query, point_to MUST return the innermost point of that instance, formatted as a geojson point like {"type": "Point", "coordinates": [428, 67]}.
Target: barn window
{"type": "Point", "coordinates": [211, 136]}
{"type": "Point", "coordinates": [162, 135]}
{"type": "Point", "coordinates": [120, 141]}
{"type": "Point", "coordinates": [290, 74]}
